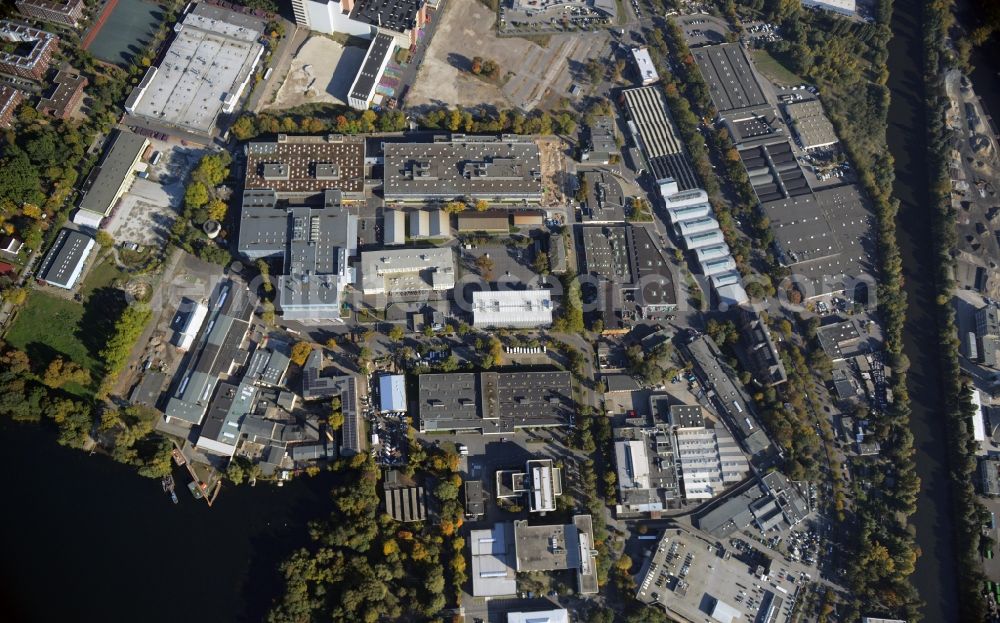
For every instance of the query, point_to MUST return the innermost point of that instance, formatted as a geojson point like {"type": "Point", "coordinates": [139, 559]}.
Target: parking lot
{"type": "Point", "coordinates": [703, 29]}
{"type": "Point", "coordinates": [555, 17]}
{"type": "Point", "coordinates": [690, 576]}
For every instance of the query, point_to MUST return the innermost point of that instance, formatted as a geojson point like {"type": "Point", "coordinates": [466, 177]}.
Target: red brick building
{"type": "Point", "coordinates": [65, 12]}
{"type": "Point", "coordinates": [10, 99]}
{"type": "Point", "coordinates": [64, 94]}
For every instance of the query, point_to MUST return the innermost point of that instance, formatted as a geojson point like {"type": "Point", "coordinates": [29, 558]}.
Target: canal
{"type": "Point", "coordinates": [86, 539]}
{"type": "Point", "coordinates": [934, 577]}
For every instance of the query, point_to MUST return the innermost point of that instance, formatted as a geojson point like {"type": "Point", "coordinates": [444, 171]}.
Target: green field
{"type": "Point", "coordinates": [101, 276]}
{"type": "Point", "coordinates": [48, 327]}
{"type": "Point", "coordinates": [773, 70]}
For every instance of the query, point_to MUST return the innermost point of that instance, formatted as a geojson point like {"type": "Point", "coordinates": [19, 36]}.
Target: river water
{"type": "Point", "coordinates": [935, 571]}
{"type": "Point", "coordinates": [85, 539]}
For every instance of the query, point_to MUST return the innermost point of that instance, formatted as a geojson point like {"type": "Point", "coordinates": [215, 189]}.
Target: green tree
{"type": "Point", "coordinates": [127, 329]}
{"type": "Point", "coordinates": [104, 239]}
{"type": "Point", "coordinates": [396, 333]}
{"type": "Point", "coordinates": [196, 195]}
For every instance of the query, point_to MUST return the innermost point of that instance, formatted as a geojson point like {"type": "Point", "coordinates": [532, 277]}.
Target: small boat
{"type": "Point", "coordinates": [168, 487]}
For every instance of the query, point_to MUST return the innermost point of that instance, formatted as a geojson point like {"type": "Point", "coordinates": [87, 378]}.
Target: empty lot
{"type": "Point", "coordinates": [530, 73]}
{"type": "Point", "coordinates": [321, 73]}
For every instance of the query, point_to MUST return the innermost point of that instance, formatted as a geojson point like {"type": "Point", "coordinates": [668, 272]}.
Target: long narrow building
{"type": "Point", "coordinates": [654, 130]}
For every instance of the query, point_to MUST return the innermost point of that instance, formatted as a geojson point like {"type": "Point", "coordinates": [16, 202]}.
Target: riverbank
{"type": "Point", "coordinates": [934, 576]}
{"type": "Point", "coordinates": [125, 552]}
{"type": "Point", "coordinates": [958, 409]}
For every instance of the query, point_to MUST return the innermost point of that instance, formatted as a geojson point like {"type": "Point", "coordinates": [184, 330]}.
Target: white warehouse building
{"type": "Point", "coordinates": [644, 65]}
{"type": "Point", "coordinates": [512, 308]}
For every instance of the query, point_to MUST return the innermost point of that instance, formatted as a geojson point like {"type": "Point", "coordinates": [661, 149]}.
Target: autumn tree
{"type": "Point", "coordinates": [336, 419]}
{"type": "Point", "coordinates": [60, 372]}
{"type": "Point", "coordinates": [396, 333]}
{"type": "Point", "coordinates": [301, 352]}
{"type": "Point", "coordinates": [217, 209]}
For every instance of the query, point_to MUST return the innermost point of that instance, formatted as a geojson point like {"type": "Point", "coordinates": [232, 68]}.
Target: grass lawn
{"type": "Point", "coordinates": [101, 276]}
{"type": "Point", "coordinates": [49, 326]}
{"type": "Point", "coordinates": [773, 70]}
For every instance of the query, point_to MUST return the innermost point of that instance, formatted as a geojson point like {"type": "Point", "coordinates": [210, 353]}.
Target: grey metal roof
{"type": "Point", "coordinates": [101, 186]}
{"type": "Point", "coordinates": [268, 365]}
{"type": "Point", "coordinates": [315, 244]}
{"type": "Point", "coordinates": [216, 348]}
{"type": "Point", "coordinates": [312, 451]}
{"type": "Point", "coordinates": [232, 403]}
{"type": "Point", "coordinates": [406, 504]}
{"type": "Point", "coordinates": [395, 227]}
{"type": "Point", "coordinates": [494, 402]}
{"type": "Point", "coordinates": [730, 79]}
{"type": "Point", "coordinates": [148, 391]}
{"type": "Point", "coordinates": [494, 168]}
{"type": "Point", "coordinates": [63, 262]}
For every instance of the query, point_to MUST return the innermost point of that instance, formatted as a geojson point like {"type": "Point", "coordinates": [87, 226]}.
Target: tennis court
{"type": "Point", "coordinates": [123, 30]}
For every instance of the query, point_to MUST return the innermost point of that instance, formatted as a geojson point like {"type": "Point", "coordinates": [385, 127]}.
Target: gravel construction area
{"type": "Point", "coordinates": [531, 75]}
{"type": "Point", "coordinates": [321, 72]}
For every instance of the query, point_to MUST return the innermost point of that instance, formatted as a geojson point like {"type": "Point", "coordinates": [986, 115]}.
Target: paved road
{"type": "Point", "coordinates": [263, 95]}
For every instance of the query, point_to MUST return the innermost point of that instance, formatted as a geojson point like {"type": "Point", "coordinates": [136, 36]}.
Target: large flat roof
{"type": "Point", "coordinates": [314, 243]}
{"type": "Point", "coordinates": [397, 15]}
{"type": "Point", "coordinates": [494, 402]}
{"type": "Point", "coordinates": [217, 346]}
{"type": "Point", "coordinates": [729, 399]}
{"type": "Point", "coordinates": [404, 271]}
{"type": "Point", "coordinates": [501, 168]}
{"type": "Point", "coordinates": [306, 165]}
{"type": "Point", "coordinates": [212, 56]}
{"type": "Point", "coordinates": [102, 185]}
{"type": "Point", "coordinates": [658, 136]}
{"type": "Point", "coordinates": [651, 271]}
{"type": "Point", "coordinates": [606, 253]}
{"type": "Point", "coordinates": [492, 552]}
{"type": "Point", "coordinates": [558, 547]}
{"type": "Point", "coordinates": [605, 198]}
{"type": "Point", "coordinates": [730, 78]}
{"type": "Point", "coordinates": [825, 234]}
{"type": "Point", "coordinates": [512, 308]}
